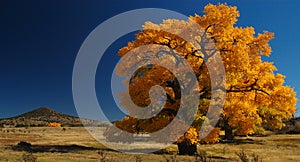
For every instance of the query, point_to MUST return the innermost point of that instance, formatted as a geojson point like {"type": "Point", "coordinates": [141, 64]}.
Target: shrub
{"type": "Point", "coordinates": [54, 124]}
{"type": "Point", "coordinates": [246, 158]}
{"type": "Point", "coordinates": [29, 157]}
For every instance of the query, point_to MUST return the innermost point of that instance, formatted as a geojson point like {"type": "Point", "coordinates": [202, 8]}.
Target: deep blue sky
{"type": "Point", "coordinates": [39, 41]}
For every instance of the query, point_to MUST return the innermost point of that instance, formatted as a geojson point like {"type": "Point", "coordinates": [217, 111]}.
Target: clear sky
{"type": "Point", "coordinates": [39, 41]}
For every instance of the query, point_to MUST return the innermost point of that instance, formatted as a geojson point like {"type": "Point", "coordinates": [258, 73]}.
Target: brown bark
{"type": "Point", "coordinates": [228, 131]}
{"type": "Point", "coordinates": [186, 148]}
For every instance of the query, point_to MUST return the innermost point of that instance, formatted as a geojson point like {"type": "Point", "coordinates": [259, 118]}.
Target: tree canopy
{"type": "Point", "coordinates": [256, 96]}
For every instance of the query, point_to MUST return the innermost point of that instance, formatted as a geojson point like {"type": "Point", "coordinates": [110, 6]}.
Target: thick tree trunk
{"type": "Point", "coordinates": [186, 148]}
{"type": "Point", "coordinates": [228, 131]}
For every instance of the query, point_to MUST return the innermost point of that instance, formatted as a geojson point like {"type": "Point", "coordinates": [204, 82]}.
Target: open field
{"type": "Point", "coordinates": [75, 144]}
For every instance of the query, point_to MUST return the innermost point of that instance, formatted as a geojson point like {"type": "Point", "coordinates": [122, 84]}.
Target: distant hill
{"type": "Point", "coordinates": [43, 116]}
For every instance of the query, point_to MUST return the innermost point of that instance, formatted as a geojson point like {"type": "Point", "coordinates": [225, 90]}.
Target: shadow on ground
{"type": "Point", "coordinates": [242, 141]}
{"type": "Point", "coordinates": [24, 146]}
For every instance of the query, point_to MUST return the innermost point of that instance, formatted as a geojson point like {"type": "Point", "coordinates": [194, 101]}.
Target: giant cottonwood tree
{"type": "Point", "coordinates": [255, 95]}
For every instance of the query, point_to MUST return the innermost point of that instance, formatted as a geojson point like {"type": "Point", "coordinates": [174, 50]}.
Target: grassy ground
{"type": "Point", "coordinates": [75, 144]}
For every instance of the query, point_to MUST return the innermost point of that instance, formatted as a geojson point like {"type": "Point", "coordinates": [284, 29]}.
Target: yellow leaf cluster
{"type": "Point", "coordinates": [191, 135]}
{"type": "Point", "coordinates": [212, 137]}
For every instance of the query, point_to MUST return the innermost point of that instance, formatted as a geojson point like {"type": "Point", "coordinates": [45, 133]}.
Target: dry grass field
{"type": "Point", "coordinates": [76, 144]}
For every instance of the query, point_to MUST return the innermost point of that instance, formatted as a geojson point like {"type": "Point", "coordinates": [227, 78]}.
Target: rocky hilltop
{"type": "Point", "coordinates": [43, 116]}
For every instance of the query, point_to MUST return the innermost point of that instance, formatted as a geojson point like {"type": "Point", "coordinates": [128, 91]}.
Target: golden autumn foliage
{"type": "Point", "coordinates": [191, 135]}
{"type": "Point", "coordinates": [54, 124]}
{"type": "Point", "coordinates": [255, 94]}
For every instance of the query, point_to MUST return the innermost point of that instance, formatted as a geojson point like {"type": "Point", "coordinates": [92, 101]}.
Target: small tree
{"type": "Point", "coordinates": [54, 124]}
